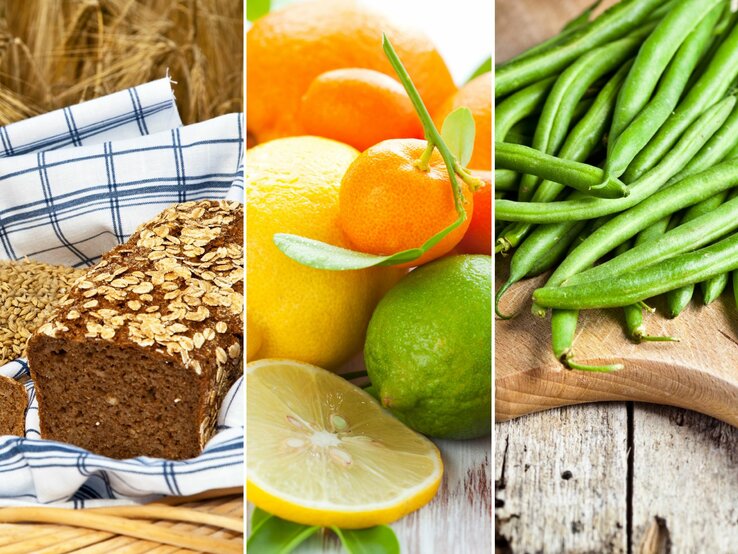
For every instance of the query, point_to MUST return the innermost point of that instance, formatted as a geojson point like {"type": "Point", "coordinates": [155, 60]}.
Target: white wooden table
{"type": "Point", "coordinates": [608, 478]}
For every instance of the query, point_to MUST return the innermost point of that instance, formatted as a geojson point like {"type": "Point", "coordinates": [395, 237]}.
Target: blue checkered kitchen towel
{"type": "Point", "coordinates": [73, 184]}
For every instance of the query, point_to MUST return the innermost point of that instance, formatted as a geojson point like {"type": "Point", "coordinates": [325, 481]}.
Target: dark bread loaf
{"type": "Point", "coordinates": [139, 356]}
{"type": "Point", "coordinates": [13, 404]}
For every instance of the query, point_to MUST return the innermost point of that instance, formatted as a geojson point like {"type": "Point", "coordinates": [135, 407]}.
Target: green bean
{"type": "Point", "coordinates": [520, 105]}
{"type": "Point", "coordinates": [522, 131]}
{"type": "Point", "coordinates": [563, 329]}
{"type": "Point", "coordinates": [536, 253]}
{"type": "Point", "coordinates": [579, 145]}
{"type": "Point", "coordinates": [633, 313]}
{"type": "Point", "coordinates": [654, 231]}
{"type": "Point", "coordinates": [734, 280]}
{"type": "Point", "coordinates": [636, 328]}
{"type": "Point", "coordinates": [636, 286]}
{"type": "Point", "coordinates": [627, 224]}
{"type": "Point", "coordinates": [506, 180]}
{"type": "Point", "coordinates": [628, 138]}
{"type": "Point", "coordinates": [579, 207]}
{"type": "Point", "coordinates": [678, 299]}
{"type": "Point", "coordinates": [653, 57]}
{"type": "Point", "coordinates": [614, 23]}
{"type": "Point", "coordinates": [686, 237]}
{"type": "Point", "coordinates": [569, 88]}
{"type": "Point", "coordinates": [561, 341]}
{"type": "Point", "coordinates": [722, 29]}
{"type": "Point", "coordinates": [709, 88]}
{"type": "Point", "coordinates": [624, 226]}
{"type": "Point", "coordinates": [714, 287]}
{"type": "Point", "coordinates": [557, 251]}
{"type": "Point", "coordinates": [577, 175]}
{"type": "Point", "coordinates": [583, 18]}
{"type": "Point", "coordinates": [568, 32]}
{"type": "Point", "coordinates": [722, 146]}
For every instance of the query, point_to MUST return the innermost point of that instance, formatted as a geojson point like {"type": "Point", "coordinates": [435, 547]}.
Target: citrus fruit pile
{"type": "Point", "coordinates": [365, 230]}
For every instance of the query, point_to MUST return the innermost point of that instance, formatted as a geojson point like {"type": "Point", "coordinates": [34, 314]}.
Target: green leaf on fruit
{"type": "Point", "coordinates": [320, 255]}
{"type": "Point", "coordinates": [273, 535]}
{"type": "Point", "coordinates": [458, 132]}
{"type": "Point", "coordinates": [375, 540]}
{"type": "Point", "coordinates": [257, 8]}
{"type": "Point", "coordinates": [484, 67]}
{"type": "Point", "coordinates": [258, 516]}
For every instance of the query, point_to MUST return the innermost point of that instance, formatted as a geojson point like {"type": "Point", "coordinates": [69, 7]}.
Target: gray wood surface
{"type": "Point", "coordinates": [685, 473]}
{"type": "Point", "coordinates": [643, 479]}
{"type": "Point", "coordinates": [559, 481]}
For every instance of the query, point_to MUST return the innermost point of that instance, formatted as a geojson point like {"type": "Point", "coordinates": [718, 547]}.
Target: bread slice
{"type": "Point", "coordinates": [13, 404]}
{"type": "Point", "coordinates": [139, 356]}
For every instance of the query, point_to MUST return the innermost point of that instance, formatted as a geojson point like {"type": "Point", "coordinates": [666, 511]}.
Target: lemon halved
{"type": "Point", "coordinates": [321, 451]}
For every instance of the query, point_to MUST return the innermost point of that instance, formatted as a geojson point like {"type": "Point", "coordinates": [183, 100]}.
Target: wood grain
{"type": "Point", "coordinates": [559, 480]}
{"type": "Point", "coordinates": [685, 474]}
{"type": "Point", "coordinates": [699, 373]}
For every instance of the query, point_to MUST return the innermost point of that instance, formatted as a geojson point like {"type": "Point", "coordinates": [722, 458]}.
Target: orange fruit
{"type": "Point", "coordinates": [290, 47]}
{"type": "Point", "coordinates": [478, 237]}
{"type": "Point", "coordinates": [477, 96]}
{"type": "Point", "coordinates": [360, 107]}
{"type": "Point", "coordinates": [387, 204]}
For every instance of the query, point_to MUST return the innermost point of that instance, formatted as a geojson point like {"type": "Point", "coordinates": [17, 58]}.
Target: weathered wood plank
{"type": "Point", "coordinates": [560, 481]}
{"type": "Point", "coordinates": [686, 473]}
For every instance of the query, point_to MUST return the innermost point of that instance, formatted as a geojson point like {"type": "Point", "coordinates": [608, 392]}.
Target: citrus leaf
{"type": "Point", "coordinates": [258, 516]}
{"type": "Point", "coordinates": [278, 536]}
{"type": "Point", "coordinates": [320, 255]}
{"type": "Point", "coordinates": [458, 132]}
{"type": "Point", "coordinates": [257, 8]}
{"type": "Point", "coordinates": [374, 540]}
{"type": "Point", "coordinates": [484, 67]}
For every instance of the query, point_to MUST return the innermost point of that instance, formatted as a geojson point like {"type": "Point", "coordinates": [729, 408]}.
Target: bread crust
{"type": "Point", "coordinates": [13, 405]}
{"type": "Point", "coordinates": [170, 300]}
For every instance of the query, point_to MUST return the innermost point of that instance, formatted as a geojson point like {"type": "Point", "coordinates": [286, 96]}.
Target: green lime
{"type": "Point", "coordinates": [428, 348]}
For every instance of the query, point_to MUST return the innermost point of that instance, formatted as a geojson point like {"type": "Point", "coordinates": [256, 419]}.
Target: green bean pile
{"type": "Point", "coordinates": [617, 163]}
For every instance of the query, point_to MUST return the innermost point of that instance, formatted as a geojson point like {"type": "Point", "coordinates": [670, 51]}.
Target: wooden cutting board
{"type": "Point", "coordinates": [699, 373]}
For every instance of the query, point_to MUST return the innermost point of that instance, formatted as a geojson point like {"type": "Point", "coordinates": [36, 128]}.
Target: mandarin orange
{"type": "Point", "coordinates": [388, 204]}
{"type": "Point", "coordinates": [478, 237]}
{"type": "Point", "coordinates": [477, 96]}
{"type": "Point", "coordinates": [289, 47]}
{"type": "Point", "coordinates": [360, 107]}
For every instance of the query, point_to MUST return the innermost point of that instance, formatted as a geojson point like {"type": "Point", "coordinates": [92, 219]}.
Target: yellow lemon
{"type": "Point", "coordinates": [294, 311]}
{"type": "Point", "coordinates": [321, 451]}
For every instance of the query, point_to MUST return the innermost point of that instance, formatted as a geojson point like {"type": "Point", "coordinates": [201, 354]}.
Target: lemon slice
{"type": "Point", "coordinates": [321, 451]}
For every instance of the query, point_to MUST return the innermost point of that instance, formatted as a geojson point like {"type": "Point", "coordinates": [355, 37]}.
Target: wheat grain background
{"type": "Point", "coordinates": [59, 52]}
